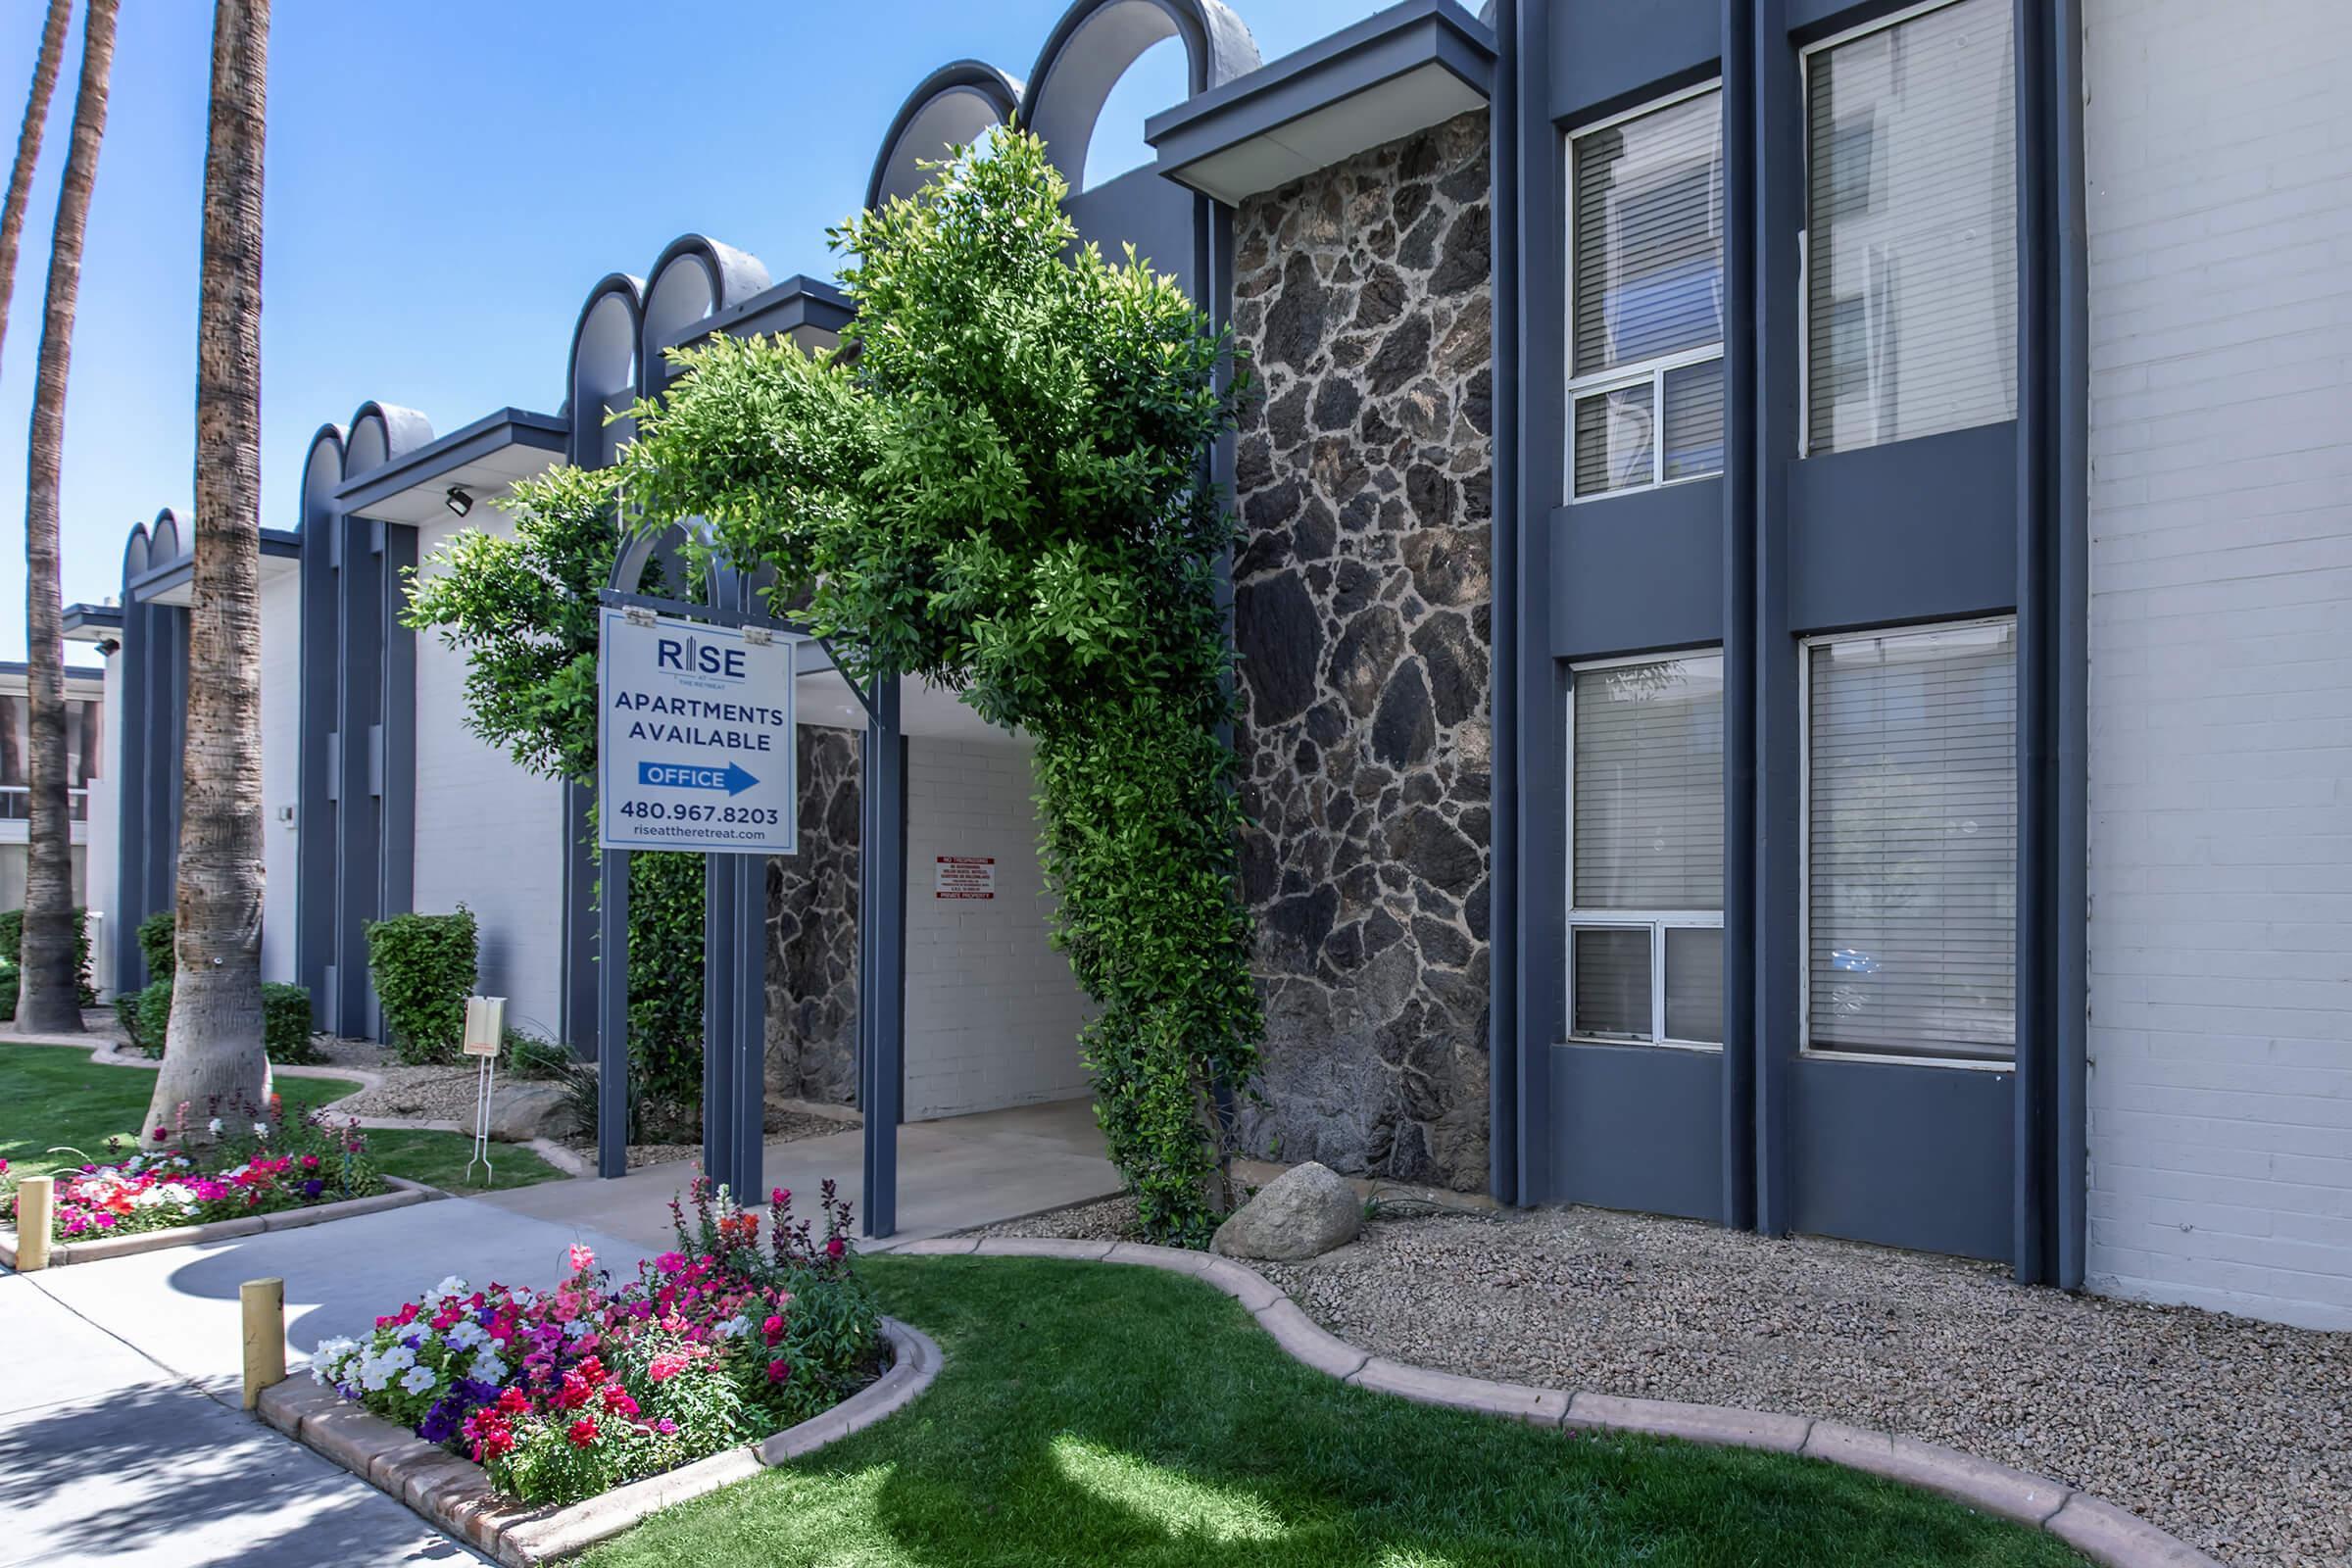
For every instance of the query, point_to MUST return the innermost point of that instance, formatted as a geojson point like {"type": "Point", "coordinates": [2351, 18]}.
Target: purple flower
{"type": "Point", "coordinates": [313, 1187]}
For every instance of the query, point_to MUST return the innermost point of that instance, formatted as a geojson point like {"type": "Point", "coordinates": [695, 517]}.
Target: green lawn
{"type": "Point", "coordinates": [54, 1096]}
{"type": "Point", "coordinates": [1099, 1414]}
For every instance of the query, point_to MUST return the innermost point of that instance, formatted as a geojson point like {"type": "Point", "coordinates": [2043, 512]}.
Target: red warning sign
{"type": "Point", "coordinates": [965, 876]}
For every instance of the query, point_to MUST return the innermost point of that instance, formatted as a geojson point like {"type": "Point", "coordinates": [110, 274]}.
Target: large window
{"type": "Point", "coordinates": [1646, 845]}
{"type": "Point", "coordinates": [1646, 328]}
{"type": "Point", "coordinates": [1911, 844]}
{"type": "Point", "coordinates": [1911, 228]}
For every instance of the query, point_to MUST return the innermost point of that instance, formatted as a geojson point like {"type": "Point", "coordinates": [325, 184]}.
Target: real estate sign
{"type": "Point", "coordinates": [694, 737]}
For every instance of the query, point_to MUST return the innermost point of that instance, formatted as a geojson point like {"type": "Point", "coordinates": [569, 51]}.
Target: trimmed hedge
{"type": "Point", "coordinates": [11, 958]}
{"type": "Point", "coordinates": [146, 1017]}
{"type": "Point", "coordinates": [156, 936]}
{"type": "Point", "coordinates": [424, 966]}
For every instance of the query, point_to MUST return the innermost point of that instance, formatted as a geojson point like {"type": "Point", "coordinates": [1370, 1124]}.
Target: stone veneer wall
{"type": "Point", "coordinates": [813, 931]}
{"type": "Point", "coordinates": [1364, 475]}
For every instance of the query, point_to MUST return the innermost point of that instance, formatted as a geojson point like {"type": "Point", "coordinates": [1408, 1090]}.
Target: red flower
{"type": "Point", "coordinates": [773, 1328]}
{"type": "Point", "coordinates": [617, 1401]}
{"type": "Point", "coordinates": [778, 1370]}
{"type": "Point", "coordinates": [834, 1248]}
{"type": "Point", "coordinates": [514, 1402]}
{"type": "Point", "coordinates": [582, 1433]}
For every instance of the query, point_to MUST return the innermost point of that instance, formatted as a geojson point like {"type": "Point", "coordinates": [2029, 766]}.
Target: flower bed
{"type": "Point", "coordinates": [563, 1394]}
{"type": "Point", "coordinates": [255, 1164]}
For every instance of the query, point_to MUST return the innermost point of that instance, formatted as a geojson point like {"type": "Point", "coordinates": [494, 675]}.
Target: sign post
{"type": "Point", "coordinates": [694, 737]}
{"type": "Point", "coordinates": [485, 1033]}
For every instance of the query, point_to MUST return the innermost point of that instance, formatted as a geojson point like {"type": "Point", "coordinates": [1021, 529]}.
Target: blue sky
{"type": "Point", "coordinates": [446, 181]}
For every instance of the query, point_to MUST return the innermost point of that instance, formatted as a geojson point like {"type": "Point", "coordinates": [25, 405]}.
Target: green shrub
{"type": "Point", "coordinates": [525, 1055]}
{"type": "Point", "coordinates": [424, 966]}
{"type": "Point", "coordinates": [157, 934]}
{"type": "Point", "coordinates": [665, 974]}
{"type": "Point", "coordinates": [153, 1008]}
{"type": "Point", "coordinates": [12, 953]}
{"type": "Point", "coordinates": [146, 1018]}
{"type": "Point", "coordinates": [286, 1023]}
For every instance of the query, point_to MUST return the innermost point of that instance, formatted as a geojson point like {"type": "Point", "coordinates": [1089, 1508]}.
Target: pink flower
{"type": "Point", "coordinates": [669, 1365]}
{"type": "Point", "coordinates": [773, 1328]}
{"type": "Point", "coordinates": [834, 1248]}
{"type": "Point", "coordinates": [778, 1370]}
{"type": "Point", "coordinates": [666, 1426]}
{"type": "Point", "coordinates": [583, 1259]}
{"type": "Point", "coordinates": [670, 1262]}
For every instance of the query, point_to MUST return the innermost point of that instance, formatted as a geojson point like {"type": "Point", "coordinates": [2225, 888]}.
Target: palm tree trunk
{"type": "Point", "coordinates": [28, 148]}
{"type": "Point", "coordinates": [214, 1053]}
{"type": "Point", "coordinates": [49, 999]}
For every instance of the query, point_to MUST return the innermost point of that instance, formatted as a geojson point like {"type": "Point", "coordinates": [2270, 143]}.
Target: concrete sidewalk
{"type": "Point", "coordinates": [121, 1440]}
{"type": "Point", "coordinates": [953, 1174]}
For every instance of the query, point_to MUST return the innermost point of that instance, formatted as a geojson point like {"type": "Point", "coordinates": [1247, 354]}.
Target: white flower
{"type": "Point", "coordinates": [465, 1334]}
{"type": "Point", "coordinates": [419, 1379]}
{"type": "Point", "coordinates": [733, 1328]}
{"type": "Point", "coordinates": [578, 1328]}
{"type": "Point", "coordinates": [213, 1126]}
{"type": "Point", "coordinates": [398, 1358]}
{"type": "Point", "coordinates": [261, 1129]}
{"type": "Point", "coordinates": [450, 1286]}
{"type": "Point", "coordinates": [488, 1368]}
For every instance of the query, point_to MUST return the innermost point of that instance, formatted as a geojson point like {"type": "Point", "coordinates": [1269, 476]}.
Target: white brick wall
{"type": "Point", "coordinates": [282, 744]}
{"type": "Point", "coordinates": [488, 834]}
{"type": "Point", "coordinates": [2219, 163]}
{"type": "Point", "coordinates": [992, 1012]}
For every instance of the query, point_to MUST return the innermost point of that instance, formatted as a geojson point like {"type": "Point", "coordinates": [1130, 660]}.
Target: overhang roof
{"type": "Point", "coordinates": [798, 305]}
{"type": "Point", "coordinates": [1405, 68]}
{"type": "Point", "coordinates": [484, 458]}
{"type": "Point", "coordinates": [92, 624]}
{"type": "Point", "coordinates": [174, 581]}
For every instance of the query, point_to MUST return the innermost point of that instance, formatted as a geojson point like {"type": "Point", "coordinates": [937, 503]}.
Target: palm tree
{"type": "Point", "coordinates": [214, 1043]}
{"type": "Point", "coordinates": [28, 148]}
{"type": "Point", "coordinates": [49, 999]}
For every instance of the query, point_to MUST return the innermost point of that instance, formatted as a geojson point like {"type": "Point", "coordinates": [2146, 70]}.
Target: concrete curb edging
{"type": "Point", "coordinates": [454, 1494]}
{"type": "Point", "coordinates": [2099, 1530]}
{"type": "Point", "coordinates": [401, 1194]}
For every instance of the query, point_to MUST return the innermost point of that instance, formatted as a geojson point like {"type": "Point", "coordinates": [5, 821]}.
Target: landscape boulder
{"type": "Point", "coordinates": [522, 1111]}
{"type": "Point", "coordinates": [1306, 1210]}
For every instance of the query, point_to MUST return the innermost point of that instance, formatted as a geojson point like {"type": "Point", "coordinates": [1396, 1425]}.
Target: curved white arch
{"type": "Point", "coordinates": [1095, 42]}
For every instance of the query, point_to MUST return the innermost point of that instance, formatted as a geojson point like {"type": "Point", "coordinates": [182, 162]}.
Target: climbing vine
{"type": "Point", "coordinates": [997, 484]}
{"type": "Point", "coordinates": [521, 605]}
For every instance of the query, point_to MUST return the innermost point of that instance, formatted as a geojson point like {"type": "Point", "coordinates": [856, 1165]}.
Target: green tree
{"type": "Point", "coordinates": [998, 485]}
{"type": "Point", "coordinates": [523, 606]}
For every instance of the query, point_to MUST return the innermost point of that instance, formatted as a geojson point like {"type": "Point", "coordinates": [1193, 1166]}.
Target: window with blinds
{"type": "Point", "coordinates": [1911, 230]}
{"type": "Point", "coordinates": [1911, 859]}
{"type": "Point", "coordinates": [1646, 850]}
{"type": "Point", "coordinates": [1645, 314]}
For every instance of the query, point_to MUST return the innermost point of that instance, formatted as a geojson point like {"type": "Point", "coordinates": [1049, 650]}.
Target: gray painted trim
{"type": "Point", "coordinates": [130, 769]}
{"type": "Point", "coordinates": [1003, 93]}
{"type": "Point", "coordinates": [882, 956]}
{"type": "Point", "coordinates": [1505, 1135]}
{"type": "Point", "coordinates": [1780, 748]}
{"type": "Point", "coordinates": [1742, 368]}
{"type": "Point", "coordinates": [96, 619]}
{"type": "Point", "coordinates": [611, 981]}
{"type": "Point", "coordinates": [493, 432]}
{"type": "Point", "coordinates": [396, 850]}
{"type": "Point", "coordinates": [797, 302]}
{"type": "Point", "coordinates": [2070, 919]}
{"type": "Point", "coordinates": [1404, 38]}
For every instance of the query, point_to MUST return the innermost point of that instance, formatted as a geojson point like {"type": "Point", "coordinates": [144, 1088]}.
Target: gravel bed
{"type": "Point", "coordinates": [2234, 1435]}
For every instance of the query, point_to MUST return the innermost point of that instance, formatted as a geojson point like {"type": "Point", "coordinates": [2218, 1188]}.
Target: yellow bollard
{"type": "Point", "coordinates": [264, 1304]}
{"type": "Point", "coordinates": [33, 1197]}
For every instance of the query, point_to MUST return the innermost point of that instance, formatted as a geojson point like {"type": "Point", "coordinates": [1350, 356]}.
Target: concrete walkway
{"type": "Point", "coordinates": [121, 1436]}
{"type": "Point", "coordinates": [954, 1175]}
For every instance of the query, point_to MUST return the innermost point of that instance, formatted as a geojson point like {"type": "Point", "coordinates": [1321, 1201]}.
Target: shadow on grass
{"type": "Point", "coordinates": [1093, 1414]}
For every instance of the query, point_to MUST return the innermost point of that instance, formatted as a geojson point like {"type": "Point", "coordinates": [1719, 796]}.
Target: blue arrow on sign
{"type": "Point", "coordinates": [685, 776]}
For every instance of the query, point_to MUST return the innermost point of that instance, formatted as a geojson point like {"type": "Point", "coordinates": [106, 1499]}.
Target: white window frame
{"type": "Point", "coordinates": [1656, 922]}
{"type": "Point", "coordinates": [1618, 378]}
{"type": "Point", "coordinates": [1805, 843]}
{"type": "Point", "coordinates": [1804, 231]}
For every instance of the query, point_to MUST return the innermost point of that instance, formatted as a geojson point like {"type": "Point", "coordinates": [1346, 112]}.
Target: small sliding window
{"type": "Point", "coordinates": [1645, 312]}
{"type": "Point", "coordinates": [1646, 850]}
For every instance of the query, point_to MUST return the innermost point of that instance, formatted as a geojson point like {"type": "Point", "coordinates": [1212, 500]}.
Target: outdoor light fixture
{"type": "Point", "coordinates": [458, 501]}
